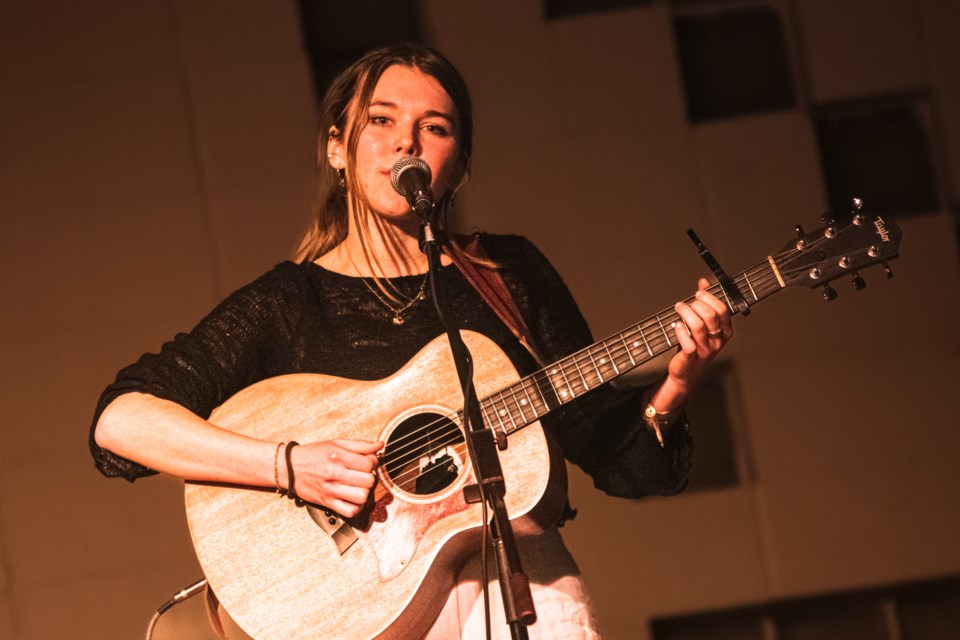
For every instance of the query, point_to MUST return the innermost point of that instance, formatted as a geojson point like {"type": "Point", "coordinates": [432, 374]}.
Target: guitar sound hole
{"type": "Point", "coordinates": [424, 454]}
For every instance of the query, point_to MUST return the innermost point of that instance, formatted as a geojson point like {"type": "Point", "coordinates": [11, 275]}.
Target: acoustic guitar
{"type": "Point", "coordinates": [285, 572]}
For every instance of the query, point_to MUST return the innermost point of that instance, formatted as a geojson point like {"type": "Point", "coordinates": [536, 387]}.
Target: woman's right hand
{"type": "Point", "coordinates": [337, 474]}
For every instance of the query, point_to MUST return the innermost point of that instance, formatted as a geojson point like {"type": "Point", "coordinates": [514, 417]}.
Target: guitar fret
{"type": "Point", "coordinates": [727, 300]}
{"type": "Point", "coordinates": [643, 334]}
{"type": "Point", "coordinates": [545, 388]}
{"type": "Point", "coordinates": [567, 392]}
{"type": "Point", "coordinates": [623, 339]}
{"type": "Point", "coordinates": [508, 412]}
{"type": "Point", "coordinates": [531, 401]}
{"type": "Point", "coordinates": [497, 413]}
{"type": "Point", "coordinates": [596, 367]}
{"type": "Point", "coordinates": [602, 365]}
{"type": "Point", "coordinates": [613, 361]}
{"type": "Point", "coordinates": [485, 406]}
{"type": "Point", "coordinates": [664, 331]}
{"type": "Point", "coordinates": [583, 379]}
{"type": "Point", "coordinates": [750, 285]}
{"type": "Point", "coordinates": [519, 408]}
{"type": "Point", "coordinates": [483, 410]}
{"type": "Point", "coordinates": [516, 410]}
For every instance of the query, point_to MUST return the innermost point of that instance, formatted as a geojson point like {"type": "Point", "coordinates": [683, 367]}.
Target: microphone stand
{"type": "Point", "coordinates": [490, 487]}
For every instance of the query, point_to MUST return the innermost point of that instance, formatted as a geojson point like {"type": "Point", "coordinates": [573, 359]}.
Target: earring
{"type": "Point", "coordinates": [342, 179]}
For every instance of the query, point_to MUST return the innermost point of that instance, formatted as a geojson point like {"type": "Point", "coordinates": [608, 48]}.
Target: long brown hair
{"type": "Point", "coordinates": [343, 111]}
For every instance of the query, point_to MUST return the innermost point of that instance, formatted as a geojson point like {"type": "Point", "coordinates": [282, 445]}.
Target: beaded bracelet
{"type": "Point", "coordinates": [276, 470]}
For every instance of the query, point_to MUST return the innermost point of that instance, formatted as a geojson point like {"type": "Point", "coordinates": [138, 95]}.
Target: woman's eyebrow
{"type": "Point", "coordinates": [431, 113]}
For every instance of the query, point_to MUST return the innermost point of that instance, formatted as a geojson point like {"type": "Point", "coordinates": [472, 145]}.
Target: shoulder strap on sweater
{"type": "Point", "coordinates": [469, 257]}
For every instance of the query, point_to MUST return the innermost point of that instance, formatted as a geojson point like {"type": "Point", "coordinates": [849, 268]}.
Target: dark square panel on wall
{"type": "Point", "coordinates": [848, 618]}
{"type": "Point", "coordinates": [709, 412]}
{"type": "Point", "coordinates": [931, 613]}
{"type": "Point", "coordinates": [337, 33]}
{"type": "Point", "coordinates": [733, 63]}
{"type": "Point", "coordinates": [564, 8]}
{"type": "Point", "coordinates": [727, 625]}
{"type": "Point", "coordinates": [926, 610]}
{"type": "Point", "coordinates": [878, 152]}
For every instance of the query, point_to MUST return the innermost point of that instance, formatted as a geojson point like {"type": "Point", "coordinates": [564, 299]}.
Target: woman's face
{"type": "Point", "coordinates": [410, 115]}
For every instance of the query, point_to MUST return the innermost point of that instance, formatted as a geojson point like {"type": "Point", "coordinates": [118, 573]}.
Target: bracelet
{"type": "Point", "coordinates": [291, 481]}
{"type": "Point", "coordinates": [656, 420]}
{"type": "Point", "coordinates": [276, 470]}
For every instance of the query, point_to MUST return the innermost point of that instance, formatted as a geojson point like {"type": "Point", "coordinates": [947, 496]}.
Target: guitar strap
{"type": "Point", "coordinates": [472, 261]}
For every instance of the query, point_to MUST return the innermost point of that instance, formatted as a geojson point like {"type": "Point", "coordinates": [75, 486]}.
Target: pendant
{"type": "Point", "coordinates": [398, 320]}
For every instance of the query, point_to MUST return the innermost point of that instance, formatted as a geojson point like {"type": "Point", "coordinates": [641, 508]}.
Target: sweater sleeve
{"type": "Point", "coordinates": [228, 350]}
{"type": "Point", "coordinates": [603, 432]}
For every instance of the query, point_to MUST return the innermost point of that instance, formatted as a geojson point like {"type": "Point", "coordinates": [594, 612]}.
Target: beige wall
{"type": "Point", "coordinates": [155, 155]}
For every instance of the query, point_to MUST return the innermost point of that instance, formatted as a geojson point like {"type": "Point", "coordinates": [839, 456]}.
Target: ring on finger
{"type": "Point", "coordinates": [716, 333]}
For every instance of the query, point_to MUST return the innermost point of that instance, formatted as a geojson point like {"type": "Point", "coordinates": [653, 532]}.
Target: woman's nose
{"type": "Point", "coordinates": [407, 142]}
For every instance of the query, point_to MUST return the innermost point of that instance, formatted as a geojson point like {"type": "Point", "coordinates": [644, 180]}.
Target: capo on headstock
{"type": "Point", "coordinates": [734, 298]}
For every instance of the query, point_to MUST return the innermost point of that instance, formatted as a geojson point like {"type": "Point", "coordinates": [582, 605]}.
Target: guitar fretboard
{"type": "Point", "coordinates": [536, 395]}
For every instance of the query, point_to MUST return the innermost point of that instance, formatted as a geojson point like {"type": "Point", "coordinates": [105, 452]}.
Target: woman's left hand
{"type": "Point", "coordinates": [706, 328]}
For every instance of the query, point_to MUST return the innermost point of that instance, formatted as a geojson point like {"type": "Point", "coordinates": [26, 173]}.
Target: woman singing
{"type": "Point", "coordinates": [355, 304]}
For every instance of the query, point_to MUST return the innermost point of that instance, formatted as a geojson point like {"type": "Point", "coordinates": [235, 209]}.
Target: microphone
{"type": "Point", "coordinates": [410, 178]}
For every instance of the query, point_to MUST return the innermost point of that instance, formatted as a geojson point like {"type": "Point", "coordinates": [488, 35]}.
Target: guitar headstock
{"type": "Point", "coordinates": [840, 248]}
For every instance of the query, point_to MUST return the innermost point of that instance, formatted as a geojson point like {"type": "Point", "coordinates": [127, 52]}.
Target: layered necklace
{"type": "Point", "coordinates": [406, 301]}
{"type": "Point", "coordinates": [396, 302]}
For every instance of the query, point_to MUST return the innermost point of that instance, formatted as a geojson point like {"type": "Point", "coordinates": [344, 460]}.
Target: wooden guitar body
{"type": "Point", "coordinates": [282, 576]}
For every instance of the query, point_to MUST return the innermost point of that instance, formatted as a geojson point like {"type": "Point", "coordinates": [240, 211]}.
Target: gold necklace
{"type": "Point", "coordinates": [399, 311]}
{"type": "Point", "coordinates": [384, 298]}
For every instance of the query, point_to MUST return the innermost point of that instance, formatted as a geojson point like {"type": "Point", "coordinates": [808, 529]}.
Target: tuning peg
{"type": "Point", "coordinates": [829, 293]}
{"type": "Point", "coordinates": [829, 221]}
{"type": "Point", "coordinates": [801, 243]}
{"type": "Point", "coordinates": [886, 268]}
{"type": "Point", "coordinates": [856, 205]}
{"type": "Point", "coordinates": [858, 282]}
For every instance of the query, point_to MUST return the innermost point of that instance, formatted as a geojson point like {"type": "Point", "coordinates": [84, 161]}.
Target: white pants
{"type": "Point", "coordinates": [563, 608]}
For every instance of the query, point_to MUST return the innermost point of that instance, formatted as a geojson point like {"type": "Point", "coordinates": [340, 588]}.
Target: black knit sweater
{"type": "Point", "coordinates": [302, 318]}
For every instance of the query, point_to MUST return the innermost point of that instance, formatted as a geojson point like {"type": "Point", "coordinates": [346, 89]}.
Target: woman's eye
{"type": "Point", "coordinates": [436, 129]}
{"type": "Point", "coordinates": [380, 121]}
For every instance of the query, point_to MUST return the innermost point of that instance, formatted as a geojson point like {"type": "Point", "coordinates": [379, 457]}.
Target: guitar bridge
{"type": "Point", "coordinates": [337, 528]}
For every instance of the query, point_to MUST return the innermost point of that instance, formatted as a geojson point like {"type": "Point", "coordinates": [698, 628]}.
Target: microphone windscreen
{"type": "Point", "coordinates": [403, 165]}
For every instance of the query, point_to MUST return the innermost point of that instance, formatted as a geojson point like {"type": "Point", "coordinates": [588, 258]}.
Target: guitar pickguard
{"type": "Point", "coordinates": [334, 526]}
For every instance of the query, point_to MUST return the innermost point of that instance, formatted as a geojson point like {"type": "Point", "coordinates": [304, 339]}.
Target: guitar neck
{"type": "Point", "coordinates": [536, 395]}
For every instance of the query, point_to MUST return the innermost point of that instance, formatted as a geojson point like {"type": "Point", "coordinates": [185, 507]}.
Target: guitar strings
{"type": "Point", "coordinates": [428, 431]}
{"type": "Point", "coordinates": [412, 446]}
{"type": "Point", "coordinates": [412, 443]}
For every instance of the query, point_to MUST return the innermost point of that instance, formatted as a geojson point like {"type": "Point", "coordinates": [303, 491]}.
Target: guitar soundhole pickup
{"type": "Point", "coordinates": [424, 454]}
